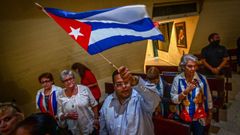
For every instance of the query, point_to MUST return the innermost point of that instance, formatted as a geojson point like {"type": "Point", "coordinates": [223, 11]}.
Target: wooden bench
{"type": "Point", "coordinates": [164, 68]}
{"type": "Point", "coordinates": [216, 86]}
{"type": "Point", "coordinates": [233, 58]}
{"type": "Point", "coordinates": [163, 126]}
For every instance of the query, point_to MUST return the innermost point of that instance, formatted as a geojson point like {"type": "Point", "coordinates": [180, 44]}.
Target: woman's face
{"type": "Point", "coordinates": [191, 67]}
{"type": "Point", "coordinates": [46, 83]}
{"type": "Point", "coordinates": [69, 82]}
{"type": "Point", "coordinates": [8, 121]}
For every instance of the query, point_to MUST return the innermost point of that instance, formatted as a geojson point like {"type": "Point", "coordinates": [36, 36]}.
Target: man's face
{"type": "Point", "coordinates": [123, 89]}
{"type": "Point", "coordinates": [216, 39]}
{"type": "Point", "coordinates": [155, 80]}
{"type": "Point", "coordinates": [8, 121]}
{"type": "Point", "coordinates": [191, 67]}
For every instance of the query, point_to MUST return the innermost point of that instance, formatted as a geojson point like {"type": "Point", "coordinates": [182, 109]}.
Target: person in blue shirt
{"type": "Point", "coordinates": [128, 111]}
{"type": "Point", "coordinates": [163, 89]}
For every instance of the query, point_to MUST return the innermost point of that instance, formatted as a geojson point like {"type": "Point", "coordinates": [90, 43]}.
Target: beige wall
{"type": "Point", "coordinates": [32, 43]}
{"type": "Point", "coordinates": [221, 16]}
{"type": "Point", "coordinates": [174, 53]}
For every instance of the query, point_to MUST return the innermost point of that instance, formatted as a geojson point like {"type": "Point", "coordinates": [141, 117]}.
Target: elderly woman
{"type": "Point", "coordinates": [191, 91]}
{"type": "Point", "coordinates": [46, 98]}
{"type": "Point", "coordinates": [10, 116]}
{"type": "Point", "coordinates": [77, 106]}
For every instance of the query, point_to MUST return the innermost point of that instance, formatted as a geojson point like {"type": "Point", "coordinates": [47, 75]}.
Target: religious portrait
{"type": "Point", "coordinates": [181, 37]}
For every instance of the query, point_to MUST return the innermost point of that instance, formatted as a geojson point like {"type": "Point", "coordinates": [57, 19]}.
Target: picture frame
{"type": "Point", "coordinates": [166, 29]}
{"type": "Point", "coordinates": [181, 37]}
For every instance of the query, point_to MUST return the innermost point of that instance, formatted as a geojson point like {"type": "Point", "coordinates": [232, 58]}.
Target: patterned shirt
{"type": "Point", "coordinates": [178, 86]}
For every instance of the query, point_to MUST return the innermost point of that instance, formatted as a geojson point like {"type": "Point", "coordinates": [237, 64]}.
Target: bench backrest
{"type": "Point", "coordinates": [164, 68]}
{"type": "Point", "coordinates": [163, 126]}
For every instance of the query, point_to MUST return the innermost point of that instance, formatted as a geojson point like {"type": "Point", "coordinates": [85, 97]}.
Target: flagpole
{"type": "Point", "coordinates": [41, 8]}
{"type": "Point", "coordinates": [108, 61]}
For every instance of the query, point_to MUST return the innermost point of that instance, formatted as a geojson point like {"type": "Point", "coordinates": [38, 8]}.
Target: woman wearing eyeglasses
{"type": "Point", "coordinates": [191, 91]}
{"type": "Point", "coordinates": [77, 106]}
{"type": "Point", "coordinates": [46, 98]}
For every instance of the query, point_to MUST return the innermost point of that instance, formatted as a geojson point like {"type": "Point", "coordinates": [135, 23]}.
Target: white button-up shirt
{"type": "Point", "coordinates": [134, 116]}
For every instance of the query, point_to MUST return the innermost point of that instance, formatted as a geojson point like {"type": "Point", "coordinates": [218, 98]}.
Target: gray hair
{"type": "Point", "coordinates": [185, 58]}
{"type": "Point", "coordinates": [66, 73]}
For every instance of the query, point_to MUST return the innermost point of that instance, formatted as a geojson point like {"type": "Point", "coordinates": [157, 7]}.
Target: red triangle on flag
{"type": "Point", "coordinates": [70, 25]}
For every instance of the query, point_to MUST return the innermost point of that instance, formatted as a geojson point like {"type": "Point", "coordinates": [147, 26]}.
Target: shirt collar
{"type": "Point", "coordinates": [115, 98]}
{"type": "Point", "coordinates": [52, 90]}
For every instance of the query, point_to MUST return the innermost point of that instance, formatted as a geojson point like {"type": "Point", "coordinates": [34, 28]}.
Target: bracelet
{"type": "Point", "coordinates": [183, 94]}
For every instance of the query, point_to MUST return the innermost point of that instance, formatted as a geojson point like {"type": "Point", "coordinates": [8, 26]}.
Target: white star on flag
{"type": "Point", "coordinates": [75, 32]}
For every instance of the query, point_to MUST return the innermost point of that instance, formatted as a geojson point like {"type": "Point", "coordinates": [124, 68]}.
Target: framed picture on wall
{"type": "Point", "coordinates": [181, 37]}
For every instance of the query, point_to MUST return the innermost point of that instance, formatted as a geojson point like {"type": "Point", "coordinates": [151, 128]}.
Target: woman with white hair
{"type": "Point", "coordinates": [191, 91]}
{"type": "Point", "coordinates": [77, 106]}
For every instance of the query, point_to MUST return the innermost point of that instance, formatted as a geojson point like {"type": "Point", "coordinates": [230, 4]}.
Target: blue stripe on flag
{"type": "Point", "coordinates": [141, 25]}
{"type": "Point", "coordinates": [111, 42]}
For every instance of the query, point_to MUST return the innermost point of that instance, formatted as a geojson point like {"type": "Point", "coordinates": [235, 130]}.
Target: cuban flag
{"type": "Point", "coordinates": [100, 30]}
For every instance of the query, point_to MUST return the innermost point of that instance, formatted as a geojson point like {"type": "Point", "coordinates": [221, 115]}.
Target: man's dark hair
{"type": "Point", "coordinates": [211, 36]}
{"type": "Point", "coordinates": [40, 124]}
{"type": "Point", "coordinates": [114, 74]}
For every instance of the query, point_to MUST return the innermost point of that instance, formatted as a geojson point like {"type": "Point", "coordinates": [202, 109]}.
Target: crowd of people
{"type": "Point", "coordinates": [73, 110]}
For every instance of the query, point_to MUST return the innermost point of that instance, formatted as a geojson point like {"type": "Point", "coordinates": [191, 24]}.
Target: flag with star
{"type": "Point", "coordinates": [100, 30]}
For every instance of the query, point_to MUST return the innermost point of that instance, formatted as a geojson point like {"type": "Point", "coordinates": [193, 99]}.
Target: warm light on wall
{"type": "Point", "coordinates": [174, 53]}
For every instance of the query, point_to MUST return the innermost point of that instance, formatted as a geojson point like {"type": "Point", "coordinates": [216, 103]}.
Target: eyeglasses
{"type": "Point", "coordinates": [69, 79]}
{"type": "Point", "coordinates": [122, 84]}
{"type": "Point", "coordinates": [45, 81]}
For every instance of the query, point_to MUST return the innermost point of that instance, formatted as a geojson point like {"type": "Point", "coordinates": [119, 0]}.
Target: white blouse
{"type": "Point", "coordinates": [80, 103]}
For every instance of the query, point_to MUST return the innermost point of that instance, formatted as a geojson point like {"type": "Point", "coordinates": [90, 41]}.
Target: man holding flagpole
{"type": "Point", "coordinates": [128, 111]}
